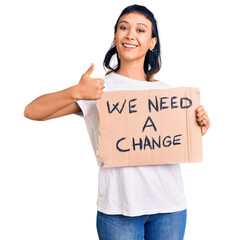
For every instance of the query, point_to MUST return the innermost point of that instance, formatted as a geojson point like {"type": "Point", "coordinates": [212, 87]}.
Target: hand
{"type": "Point", "coordinates": [90, 88]}
{"type": "Point", "coordinates": [202, 119]}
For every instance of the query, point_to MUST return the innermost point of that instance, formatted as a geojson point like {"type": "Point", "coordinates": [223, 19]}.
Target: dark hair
{"type": "Point", "coordinates": [152, 58]}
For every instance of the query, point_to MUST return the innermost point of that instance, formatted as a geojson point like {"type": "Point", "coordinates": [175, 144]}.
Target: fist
{"type": "Point", "coordinates": [202, 119]}
{"type": "Point", "coordinates": [90, 88]}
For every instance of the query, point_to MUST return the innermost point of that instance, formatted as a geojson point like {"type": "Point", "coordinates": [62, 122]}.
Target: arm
{"type": "Point", "coordinates": [63, 102]}
{"type": "Point", "coordinates": [51, 103]}
{"type": "Point", "coordinates": [72, 108]}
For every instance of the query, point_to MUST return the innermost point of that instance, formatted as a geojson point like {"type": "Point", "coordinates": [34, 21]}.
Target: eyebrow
{"type": "Point", "coordinates": [137, 23]}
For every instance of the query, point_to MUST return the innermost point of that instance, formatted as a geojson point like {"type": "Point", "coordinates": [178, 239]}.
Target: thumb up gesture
{"type": "Point", "coordinates": [90, 88]}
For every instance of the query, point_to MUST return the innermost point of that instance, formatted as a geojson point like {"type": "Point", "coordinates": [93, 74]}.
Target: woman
{"type": "Point", "coordinates": [133, 202]}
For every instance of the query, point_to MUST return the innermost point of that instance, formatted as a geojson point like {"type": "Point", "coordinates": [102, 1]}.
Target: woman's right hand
{"type": "Point", "coordinates": [90, 88]}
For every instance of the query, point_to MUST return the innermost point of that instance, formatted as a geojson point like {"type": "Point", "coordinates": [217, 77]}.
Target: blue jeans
{"type": "Point", "coordinates": [160, 226]}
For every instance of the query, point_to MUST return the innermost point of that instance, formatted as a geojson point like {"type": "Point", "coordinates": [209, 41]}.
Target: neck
{"type": "Point", "coordinates": [132, 69]}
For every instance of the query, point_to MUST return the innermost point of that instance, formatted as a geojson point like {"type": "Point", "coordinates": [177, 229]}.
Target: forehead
{"type": "Point", "coordinates": [135, 18]}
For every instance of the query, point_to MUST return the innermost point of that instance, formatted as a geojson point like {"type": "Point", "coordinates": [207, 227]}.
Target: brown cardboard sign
{"type": "Point", "coordinates": [149, 127]}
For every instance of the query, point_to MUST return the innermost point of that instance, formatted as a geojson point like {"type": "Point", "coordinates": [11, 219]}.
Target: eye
{"type": "Point", "coordinates": [140, 30]}
{"type": "Point", "coordinates": [122, 27]}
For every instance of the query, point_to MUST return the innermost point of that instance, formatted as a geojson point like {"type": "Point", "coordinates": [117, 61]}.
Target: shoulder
{"type": "Point", "coordinates": [107, 76]}
{"type": "Point", "coordinates": [164, 84]}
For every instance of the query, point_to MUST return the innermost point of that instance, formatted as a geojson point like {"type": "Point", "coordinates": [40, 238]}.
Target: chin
{"type": "Point", "coordinates": [129, 57]}
{"type": "Point", "coordinates": [135, 58]}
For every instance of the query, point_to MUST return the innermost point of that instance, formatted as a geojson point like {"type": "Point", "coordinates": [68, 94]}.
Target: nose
{"type": "Point", "coordinates": [130, 37]}
{"type": "Point", "coordinates": [130, 34]}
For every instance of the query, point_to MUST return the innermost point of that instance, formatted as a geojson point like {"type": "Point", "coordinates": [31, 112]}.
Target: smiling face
{"type": "Point", "coordinates": [133, 37]}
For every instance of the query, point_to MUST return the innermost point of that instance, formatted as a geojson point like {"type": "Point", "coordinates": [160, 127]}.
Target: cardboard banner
{"type": "Point", "coordinates": [149, 127]}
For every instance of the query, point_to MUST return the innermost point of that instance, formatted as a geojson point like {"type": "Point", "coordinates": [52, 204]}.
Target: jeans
{"type": "Point", "coordinates": [160, 226]}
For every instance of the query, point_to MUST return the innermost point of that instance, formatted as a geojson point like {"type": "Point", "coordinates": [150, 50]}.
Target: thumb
{"type": "Point", "coordinates": [90, 70]}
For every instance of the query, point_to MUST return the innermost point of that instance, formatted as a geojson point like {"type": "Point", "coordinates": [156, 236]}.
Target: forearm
{"type": "Point", "coordinates": [50, 103]}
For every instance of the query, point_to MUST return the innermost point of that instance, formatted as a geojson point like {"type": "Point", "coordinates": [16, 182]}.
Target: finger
{"type": "Point", "coordinates": [100, 82]}
{"type": "Point", "coordinates": [201, 112]}
{"type": "Point", "coordinates": [203, 130]}
{"type": "Point", "coordinates": [90, 70]}
{"type": "Point", "coordinates": [204, 123]}
{"type": "Point", "coordinates": [103, 85]}
{"type": "Point", "coordinates": [202, 117]}
{"type": "Point", "coordinates": [199, 108]}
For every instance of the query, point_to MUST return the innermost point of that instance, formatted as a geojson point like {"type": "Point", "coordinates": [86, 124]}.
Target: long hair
{"type": "Point", "coordinates": [152, 63]}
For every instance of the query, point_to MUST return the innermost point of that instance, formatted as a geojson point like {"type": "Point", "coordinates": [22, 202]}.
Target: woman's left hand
{"type": "Point", "coordinates": [202, 119]}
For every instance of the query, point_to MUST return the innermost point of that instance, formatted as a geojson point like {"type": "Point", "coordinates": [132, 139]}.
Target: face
{"type": "Point", "coordinates": [134, 29]}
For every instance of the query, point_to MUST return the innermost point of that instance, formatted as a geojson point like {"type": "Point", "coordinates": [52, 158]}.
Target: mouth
{"type": "Point", "coordinates": [129, 46]}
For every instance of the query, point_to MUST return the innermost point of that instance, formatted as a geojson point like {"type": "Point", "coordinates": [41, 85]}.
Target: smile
{"type": "Point", "coordinates": [126, 45]}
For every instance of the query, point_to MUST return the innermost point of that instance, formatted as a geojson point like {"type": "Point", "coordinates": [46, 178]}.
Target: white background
{"type": "Point", "coordinates": [48, 170]}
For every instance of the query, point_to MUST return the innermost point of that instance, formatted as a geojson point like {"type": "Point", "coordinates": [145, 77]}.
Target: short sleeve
{"type": "Point", "coordinates": [87, 106]}
{"type": "Point", "coordinates": [167, 85]}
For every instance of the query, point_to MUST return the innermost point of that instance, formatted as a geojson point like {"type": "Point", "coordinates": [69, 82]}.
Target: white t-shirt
{"type": "Point", "coordinates": [138, 190]}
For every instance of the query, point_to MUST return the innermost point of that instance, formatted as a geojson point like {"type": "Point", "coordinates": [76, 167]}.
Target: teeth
{"type": "Point", "coordinates": [130, 46]}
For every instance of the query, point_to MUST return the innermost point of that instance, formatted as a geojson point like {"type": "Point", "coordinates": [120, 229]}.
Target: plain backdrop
{"type": "Point", "coordinates": [48, 170]}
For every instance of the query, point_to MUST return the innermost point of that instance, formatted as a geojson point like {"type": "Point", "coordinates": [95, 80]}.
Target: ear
{"type": "Point", "coordinates": [153, 43]}
{"type": "Point", "coordinates": [114, 39]}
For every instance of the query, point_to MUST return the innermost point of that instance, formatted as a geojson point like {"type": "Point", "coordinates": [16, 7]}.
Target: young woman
{"type": "Point", "coordinates": [142, 202]}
